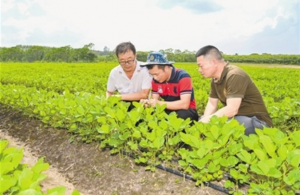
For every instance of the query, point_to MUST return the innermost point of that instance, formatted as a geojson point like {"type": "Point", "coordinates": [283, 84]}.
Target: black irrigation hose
{"type": "Point", "coordinates": [167, 169]}
{"type": "Point", "coordinates": [214, 186]}
{"type": "Point", "coordinates": [178, 173]}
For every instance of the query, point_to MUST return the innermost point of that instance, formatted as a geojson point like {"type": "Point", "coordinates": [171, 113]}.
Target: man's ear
{"type": "Point", "coordinates": [215, 62]}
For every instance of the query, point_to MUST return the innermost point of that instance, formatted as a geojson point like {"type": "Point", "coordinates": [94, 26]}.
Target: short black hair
{"type": "Point", "coordinates": [124, 47]}
{"type": "Point", "coordinates": [209, 50]}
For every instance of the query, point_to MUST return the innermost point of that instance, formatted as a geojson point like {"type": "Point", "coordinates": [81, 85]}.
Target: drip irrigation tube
{"type": "Point", "coordinates": [178, 173]}
{"type": "Point", "coordinates": [214, 186]}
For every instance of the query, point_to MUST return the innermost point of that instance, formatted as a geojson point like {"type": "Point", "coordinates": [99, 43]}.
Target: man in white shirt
{"type": "Point", "coordinates": [128, 78]}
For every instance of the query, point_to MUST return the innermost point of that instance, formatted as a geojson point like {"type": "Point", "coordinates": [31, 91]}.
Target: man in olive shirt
{"type": "Point", "coordinates": [234, 88]}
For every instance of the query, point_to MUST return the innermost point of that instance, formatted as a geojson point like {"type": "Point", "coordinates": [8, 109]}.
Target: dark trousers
{"type": "Point", "coordinates": [251, 123]}
{"type": "Point", "coordinates": [184, 114]}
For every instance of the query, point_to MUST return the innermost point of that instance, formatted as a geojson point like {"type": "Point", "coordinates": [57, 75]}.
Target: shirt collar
{"type": "Point", "coordinates": [172, 74]}
{"type": "Point", "coordinates": [224, 73]}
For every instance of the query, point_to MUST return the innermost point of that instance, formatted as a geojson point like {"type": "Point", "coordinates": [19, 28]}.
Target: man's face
{"type": "Point", "coordinates": [127, 60]}
{"type": "Point", "coordinates": [205, 67]}
{"type": "Point", "coordinates": [160, 75]}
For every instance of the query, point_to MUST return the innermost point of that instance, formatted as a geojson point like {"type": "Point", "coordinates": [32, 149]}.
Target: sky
{"type": "Point", "coordinates": [233, 26]}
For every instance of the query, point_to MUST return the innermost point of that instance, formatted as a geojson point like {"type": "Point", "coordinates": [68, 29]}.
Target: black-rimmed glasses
{"type": "Point", "coordinates": [126, 62]}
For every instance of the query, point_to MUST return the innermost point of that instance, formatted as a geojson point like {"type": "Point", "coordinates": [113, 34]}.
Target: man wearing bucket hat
{"type": "Point", "coordinates": [128, 78]}
{"type": "Point", "coordinates": [171, 84]}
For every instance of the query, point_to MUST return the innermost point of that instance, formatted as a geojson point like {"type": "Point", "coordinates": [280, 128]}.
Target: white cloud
{"type": "Point", "coordinates": [150, 25]}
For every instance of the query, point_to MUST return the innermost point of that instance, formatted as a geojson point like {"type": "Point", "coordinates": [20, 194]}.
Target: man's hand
{"type": "Point", "coordinates": [204, 119]}
{"type": "Point", "coordinates": [149, 103]}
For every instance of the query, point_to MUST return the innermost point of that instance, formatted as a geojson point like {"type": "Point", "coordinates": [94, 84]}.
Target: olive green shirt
{"type": "Point", "coordinates": [236, 83]}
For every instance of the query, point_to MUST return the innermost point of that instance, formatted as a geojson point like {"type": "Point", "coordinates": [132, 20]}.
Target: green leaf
{"type": "Point", "coordinates": [282, 152]}
{"type": "Point", "coordinates": [80, 110]}
{"type": "Point", "coordinates": [136, 134]}
{"type": "Point", "coordinates": [201, 152]}
{"type": "Point", "coordinates": [292, 177]}
{"type": "Point", "coordinates": [295, 136]}
{"type": "Point", "coordinates": [264, 166]}
{"type": "Point", "coordinates": [153, 125]}
{"type": "Point", "coordinates": [232, 161]}
{"type": "Point", "coordinates": [133, 146]}
{"type": "Point", "coordinates": [293, 158]}
{"type": "Point", "coordinates": [250, 141]}
{"type": "Point", "coordinates": [75, 192]}
{"type": "Point", "coordinates": [142, 160]}
{"type": "Point", "coordinates": [57, 190]}
{"type": "Point", "coordinates": [25, 179]}
{"type": "Point", "coordinates": [158, 142]}
{"type": "Point", "coordinates": [229, 184]}
{"type": "Point", "coordinates": [182, 163]}
{"type": "Point", "coordinates": [245, 156]}
{"type": "Point", "coordinates": [184, 153]}
{"type": "Point", "coordinates": [185, 137]}
{"type": "Point", "coordinates": [109, 111]}
{"type": "Point", "coordinates": [268, 145]}
{"type": "Point", "coordinates": [144, 143]}
{"type": "Point", "coordinates": [174, 140]}
{"type": "Point", "coordinates": [209, 144]}
{"type": "Point", "coordinates": [6, 167]}
{"type": "Point", "coordinates": [6, 182]}
{"type": "Point", "coordinates": [256, 170]}
{"type": "Point", "coordinates": [40, 166]}
{"type": "Point", "coordinates": [273, 172]}
{"type": "Point", "coordinates": [243, 168]}
{"type": "Point", "coordinates": [29, 192]}
{"type": "Point", "coordinates": [190, 140]}
{"type": "Point", "coordinates": [3, 144]}
{"type": "Point", "coordinates": [260, 154]}
{"type": "Point", "coordinates": [215, 132]}
{"type": "Point", "coordinates": [234, 148]}
{"type": "Point", "coordinates": [121, 115]}
{"type": "Point", "coordinates": [101, 119]}
{"type": "Point", "coordinates": [104, 129]}
{"type": "Point", "coordinates": [114, 142]}
{"type": "Point", "coordinates": [213, 168]}
{"type": "Point", "coordinates": [234, 173]}
{"type": "Point", "coordinates": [73, 127]}
{"type": "Point", "coordinates": [125, 135]}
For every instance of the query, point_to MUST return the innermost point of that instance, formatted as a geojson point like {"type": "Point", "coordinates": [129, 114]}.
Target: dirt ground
{"type": "Point", "coordinates": [84, 166]}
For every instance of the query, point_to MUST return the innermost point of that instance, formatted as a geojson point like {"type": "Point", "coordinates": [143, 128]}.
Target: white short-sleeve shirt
{"type": "Point", "coordinates": [118, 80]}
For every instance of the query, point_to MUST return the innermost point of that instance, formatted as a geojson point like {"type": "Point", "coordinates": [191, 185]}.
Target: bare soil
{"type": "Point", "coordinates": [85, 167]}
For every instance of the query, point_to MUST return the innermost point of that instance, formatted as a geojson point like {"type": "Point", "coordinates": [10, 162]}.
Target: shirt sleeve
{"type": "Point", "coordinates": [111, 83]}
{"type": "Point", "coordinates": [185, 84]}
{"type": "Point", "coordinates": [236, 86]}
{"type": "Point", "coordinates": [147, 79]}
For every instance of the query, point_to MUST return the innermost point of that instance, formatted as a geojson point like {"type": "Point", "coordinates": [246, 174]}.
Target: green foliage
{"type": "Point", "coordinates": [23, 53]}
{"type": "Point", "coordinates": [213, 149]}
{"type": "Point", "coordinates": [57, 95]}
{"type": "Point", "coordinates": [27, 53]}
{"type": "Point", "coordinates": [18, 178]}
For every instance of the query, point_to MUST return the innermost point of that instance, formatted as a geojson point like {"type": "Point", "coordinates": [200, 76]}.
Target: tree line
{"type": "Point", "coordinates": [27, 53]}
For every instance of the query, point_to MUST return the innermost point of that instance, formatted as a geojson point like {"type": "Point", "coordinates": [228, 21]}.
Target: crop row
{"type": "Point", "coordinates": [279, 86]}
{"type": "Point", "coordinates": [268, 161]}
